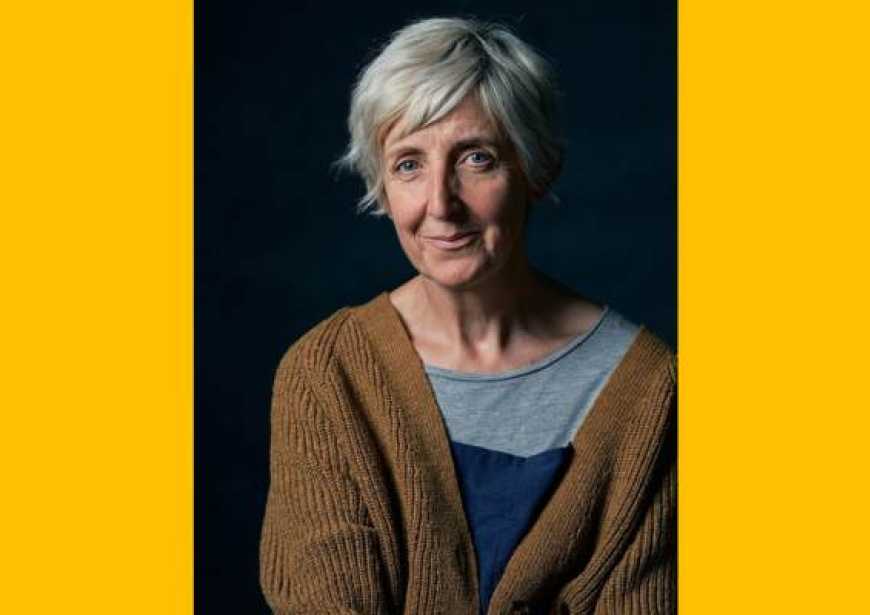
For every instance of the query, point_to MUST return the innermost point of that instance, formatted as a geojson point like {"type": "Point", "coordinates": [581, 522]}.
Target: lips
{"type": "Point", "coordinates": [452, 237]}
{"type": "Point", "coordinates": [453, 241]}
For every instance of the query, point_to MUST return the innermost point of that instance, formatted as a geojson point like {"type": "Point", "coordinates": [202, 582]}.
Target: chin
{"type": "Point", "coordinates": [457, 277]}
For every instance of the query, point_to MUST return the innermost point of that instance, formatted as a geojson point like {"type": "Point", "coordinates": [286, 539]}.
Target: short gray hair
{"type": "Point", "coordinates": [428, 68]}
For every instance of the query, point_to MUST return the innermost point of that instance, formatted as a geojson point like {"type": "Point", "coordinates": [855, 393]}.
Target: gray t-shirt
{"type": "Point", "coordinates": [538, 407]}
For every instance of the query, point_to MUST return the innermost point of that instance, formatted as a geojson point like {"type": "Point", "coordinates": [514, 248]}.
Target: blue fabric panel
{"type": "Point", "coordinates": [503, 495]}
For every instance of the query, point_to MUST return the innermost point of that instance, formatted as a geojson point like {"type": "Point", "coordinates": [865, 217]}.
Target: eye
{"type": "Point", "coordinates": [407, 166]}
{"type": "Point", "coordinates": [480, 159]}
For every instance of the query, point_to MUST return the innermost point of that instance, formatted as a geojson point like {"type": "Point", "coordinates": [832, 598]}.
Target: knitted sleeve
{"type": "Point", "coordinates": [318, 549]}
{"type": "Point", "coordinates": [644, 582]}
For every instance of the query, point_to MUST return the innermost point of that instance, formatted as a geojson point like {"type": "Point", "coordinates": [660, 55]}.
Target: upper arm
{"type": "Point", "coordinates": [318, 548]}
{"type": "Point", "coordinates": [644, 581]}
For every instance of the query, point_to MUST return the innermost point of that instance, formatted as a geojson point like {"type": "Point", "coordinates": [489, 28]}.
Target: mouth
{"type": "Point", "coordinates": [453, 241]}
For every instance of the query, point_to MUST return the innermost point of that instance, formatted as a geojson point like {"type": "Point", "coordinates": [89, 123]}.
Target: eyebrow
{"type": "Point", "coordinates": [397, 151]}
{"type": "Point", "coordinates": [463, 144]}
{"type": "Point", "coordinates": [476, 142]}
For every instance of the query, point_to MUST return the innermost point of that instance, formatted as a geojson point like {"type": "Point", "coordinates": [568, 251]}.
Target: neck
{"type": "Point", "coordinates": [482, 319]}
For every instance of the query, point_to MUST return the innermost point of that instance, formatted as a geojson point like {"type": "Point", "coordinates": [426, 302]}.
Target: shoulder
{"type": "Point", "coordinates": [300, 399]}
{"type": "Point", "coordinates": [338, 339]}
{"type": "Point", "coordinates": [314, 384]}
{"type": "Point", "coordinates": [650, 366]}
{"type": "Point", "coordinates": [315, 348]}
{"type": "Point", "coordinates": [641, 396]}
{"type": "Point", "coordinates": [649, 352]}
{"type": "Point", "coordinates": [654, 355]}
{"type": "Point", "coordinates": [643, 383]}
{"type": "Point", "coordinates": [303, 413]}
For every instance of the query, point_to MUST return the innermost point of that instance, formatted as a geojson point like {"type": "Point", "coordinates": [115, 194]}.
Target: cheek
{"type": "Point", "coordinates": [404, 208]}
{"type": "Point", "coordinates": [499, 207]}
{"type": "Point", "coordinates": [405, 221]}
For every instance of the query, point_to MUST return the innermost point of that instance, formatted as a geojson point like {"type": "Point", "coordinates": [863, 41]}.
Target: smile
{"type": "Point", "coordinates": [452, 242]}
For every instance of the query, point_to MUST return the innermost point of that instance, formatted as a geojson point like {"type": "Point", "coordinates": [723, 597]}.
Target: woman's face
{"type": "Point", "coordinates": [456, 196]}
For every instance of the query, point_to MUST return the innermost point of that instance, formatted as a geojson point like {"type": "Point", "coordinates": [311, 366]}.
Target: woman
{"type": "Point", "coordinates": [480, 439]}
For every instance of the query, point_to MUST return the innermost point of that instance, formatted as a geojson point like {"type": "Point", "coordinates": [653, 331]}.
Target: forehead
{"type": "Point", "coordinates": [468, 119]}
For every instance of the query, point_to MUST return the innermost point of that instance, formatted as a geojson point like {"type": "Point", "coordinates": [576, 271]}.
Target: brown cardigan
{"type": "Point", "coordinates": [364, 513]}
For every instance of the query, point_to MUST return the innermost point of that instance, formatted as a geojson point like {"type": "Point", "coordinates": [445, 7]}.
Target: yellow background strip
{"type": "Point", "coordinates": [96, 257]}
{"type": "Point", "coordinates": [773, 306]}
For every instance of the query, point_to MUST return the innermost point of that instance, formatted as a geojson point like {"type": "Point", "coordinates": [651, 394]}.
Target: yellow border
{"type": "Point", "coordinates": [96, 251]}
{"type": "Point", "coordinates": [773, 281]}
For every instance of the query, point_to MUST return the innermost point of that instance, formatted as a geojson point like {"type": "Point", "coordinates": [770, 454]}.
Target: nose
{"type": "Point", "coordinates": [443, 199]}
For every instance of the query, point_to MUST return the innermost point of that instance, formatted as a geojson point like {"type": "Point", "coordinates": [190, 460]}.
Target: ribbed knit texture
{"type": "Point", "coordinates": [364, 513]}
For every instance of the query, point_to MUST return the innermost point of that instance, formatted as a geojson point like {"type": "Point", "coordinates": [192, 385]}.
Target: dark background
{"type": "Point", "coordinates": [279, 247]}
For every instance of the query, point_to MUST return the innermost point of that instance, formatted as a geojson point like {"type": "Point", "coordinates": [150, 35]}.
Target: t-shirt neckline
{"type": "Point", "coordinates": [524, 370]}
